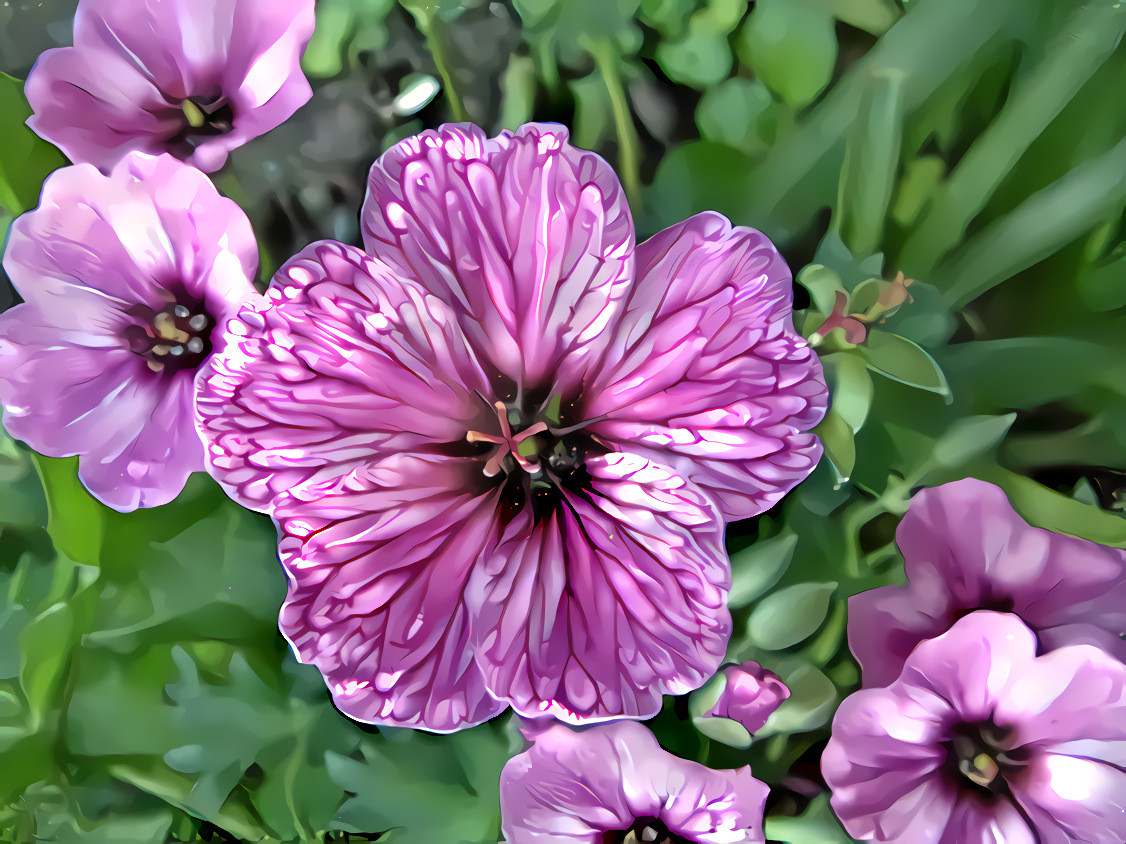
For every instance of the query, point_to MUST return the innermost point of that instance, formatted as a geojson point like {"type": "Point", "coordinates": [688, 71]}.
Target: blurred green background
{"type": "Point", "coordinates": [976, 146]}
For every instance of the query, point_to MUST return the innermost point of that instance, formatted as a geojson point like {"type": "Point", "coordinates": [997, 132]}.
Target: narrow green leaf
{"type": "Point", "coordinates": [871, 162]}
{"type": "Point", "coordinates": [840, 445]}
{"type": "Point", "coordinates": [25, 159]}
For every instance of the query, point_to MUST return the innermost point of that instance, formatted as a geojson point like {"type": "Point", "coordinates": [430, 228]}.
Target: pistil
{"type": "Point", "coordinates": [520, 446]}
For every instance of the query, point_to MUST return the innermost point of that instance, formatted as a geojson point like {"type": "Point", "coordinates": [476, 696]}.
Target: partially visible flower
{"type": "Point", "coordinates": [613, 784]}
{"type": "Point", "coordinates": [126, 279]}
{"type": "Point", "coordinates": [750, 694]}
{"type": "Point", "coordinates": [501, 445]}
{"type": "Point", "coordinates": [980, 740]}
{"type": "Point", "coordinates": [966, 549]}
{"type": "Point", "coordinates": [194, 78]}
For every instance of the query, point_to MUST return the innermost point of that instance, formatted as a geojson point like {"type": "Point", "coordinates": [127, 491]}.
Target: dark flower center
{"type": "Point", "coordinates": [644, 831]}
{"type": "Point", "coordinates": [203, 117]}
{"type": "Point", "coordinates": [981, 757]}
{"type": "Point", "coordinates": [175, 338]}
{"type": "Point", "coordinates": [531, 454]}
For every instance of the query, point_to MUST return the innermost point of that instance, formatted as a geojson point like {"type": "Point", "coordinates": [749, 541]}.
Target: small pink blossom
{"type": "Point", "coordinates": [126, 279]}
{"type": "Point", "coordinates": [750, 694]}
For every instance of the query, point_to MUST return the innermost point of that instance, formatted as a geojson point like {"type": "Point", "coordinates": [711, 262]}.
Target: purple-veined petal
{"type": "Point", "coordinates": [528, 239]}
{"type": "Point", "coordinates": [1069, 798]}
{"type": "Point", "coordinates": [615, 597]}
{"type": "Point", "coordinates": [706, 373]}
{"type": "Point", "coordinates": [344, 364]}
{"type": "Point", "coordinates": [377, 565]}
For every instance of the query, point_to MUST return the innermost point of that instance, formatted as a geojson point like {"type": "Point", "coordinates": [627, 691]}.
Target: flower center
{"type": "Point", "coordinates": [521, 448]}
{"type": "Point", "coordinates": [982, 756]}
{"type": "Point", "coordinates": [644, 831]}
{"type": "Point", "coordinates": [203, 117]}
{"type": "Point", "coordinates": [175, 338]}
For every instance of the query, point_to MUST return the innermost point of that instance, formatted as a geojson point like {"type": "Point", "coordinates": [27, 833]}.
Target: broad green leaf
{"type": "Point", "coordinates": [902, 360]}
{"type": "Point", "coordinates": [739, 113]}
{"type": "Point", "coordinates": [791, 46]}
{"type": "Point", "coordinates": [790, 615]}
{"type": "Point", "coordinates": [700, 56]}
{"type": "Point", "coordinates": [757, 568]}
{"type": "Point", "coordinates": [25, 159]}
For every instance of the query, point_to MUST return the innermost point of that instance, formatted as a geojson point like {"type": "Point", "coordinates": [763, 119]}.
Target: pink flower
{"type": "Point", "coordinates": [966, 549]}
{"type": "Point", "coordinates": [501, 451]}
{"type": "Point", "coordinates": [613, 783]}
{"type": "Point", "coordinates": [750, 694]}
{"type": "Point", "coordinates": [980, 740]}
{"type": "Point", "coordinates": [125, 278]}
{"type": "Point", "coordinates": [194, 78]}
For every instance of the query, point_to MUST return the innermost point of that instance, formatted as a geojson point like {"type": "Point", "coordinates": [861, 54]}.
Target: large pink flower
{"type": "Point", "coordinates": [125, 279]}
{"type": "Point", "coordinates": [194, 78]}
{"type": "Point", "coordinates": [501, 450]}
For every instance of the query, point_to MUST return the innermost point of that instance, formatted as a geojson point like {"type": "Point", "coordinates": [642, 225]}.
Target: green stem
{"type": "Point", "coordinates": [628, 145]}
{"type": "Point", "coordinates": [1086, 42]}
{"type": "Point", "coordinates": [434, 29]}
{"type": "Point", "coordinates": [1040, 226]}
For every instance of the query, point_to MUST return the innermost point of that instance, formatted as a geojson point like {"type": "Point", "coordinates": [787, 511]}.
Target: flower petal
{"type": "Point", "coordinates": [528, 239]}
{"type": "Point", "coordinates": [975, 820]}
{"type": "Point", "coordinates": [69, 392]}
{"type": "Point", "coordinates": [966, 548]}
{"type": "Point", "coordinates": [153, 467]}
{"type": "Point", "coordinates": [618, 595]}
{"type": "Point", "coordinates": [377, 565]}
{"type": "Point", "coordinates": [1073, 799]}
{"type": "Point", "coordinates": [105, 243]}
{"type": "Point", "coordinates": [706, 373]}
{"type": "Point", "coordinates": [344, 364]}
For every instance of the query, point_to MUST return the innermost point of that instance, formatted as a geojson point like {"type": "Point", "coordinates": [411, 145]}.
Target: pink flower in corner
{"type": "Point", "coordinates": [126, 279]}
{"type": "Point", "coordinates": [194, 78]}
{"type": "Point", "coordinates": [501, 445]}
{"type": "Point", "coordinates": [966, 549]}
{"type": "Point", "coordinates": [613, 784]}
{"type": "Point", "coordinates": [750, 694]}
{"type": "Point", "coordinates": [978, 739]}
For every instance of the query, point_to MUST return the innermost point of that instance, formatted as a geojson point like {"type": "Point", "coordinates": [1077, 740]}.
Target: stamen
{"type": "Point", "coordinates": [508, 445]}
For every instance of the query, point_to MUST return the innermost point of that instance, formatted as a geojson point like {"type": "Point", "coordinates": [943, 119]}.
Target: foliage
{"type": "Point", "coordinates": [145, 694]}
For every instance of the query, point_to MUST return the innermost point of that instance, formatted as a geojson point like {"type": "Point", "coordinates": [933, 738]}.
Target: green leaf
{"type": "Point", "coordinates": [970, 437]}
{"type": "Point", "coordinates": [791, 46]}
{"type": "Point", "coordinates": [813, 698]}
{"type": "Point", "coordinates": [816, 825]}
{"type": "Point", "coordinates": [25, 159]}
{"type": "Point", "coordinates": [757, 568]}
{"type": "Point", "coordinates": [701, 57]}
{"type": "Point", "coordinates": [851, 387]}
{"type": "Point", "coordinates": [871, 163]}
{"type": "Point", "coordinates": [902, 360]}
{"type": "Point", "coordinates": [45, 653]}
{"type": "Point", "coordinates": [739, 113]}
{"type": "Point", "coordinates": [790, 615]}
{"type": "Point", "coordinates": [76, 521]}
{"type": "Point", "coordinates": [837, 437]}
